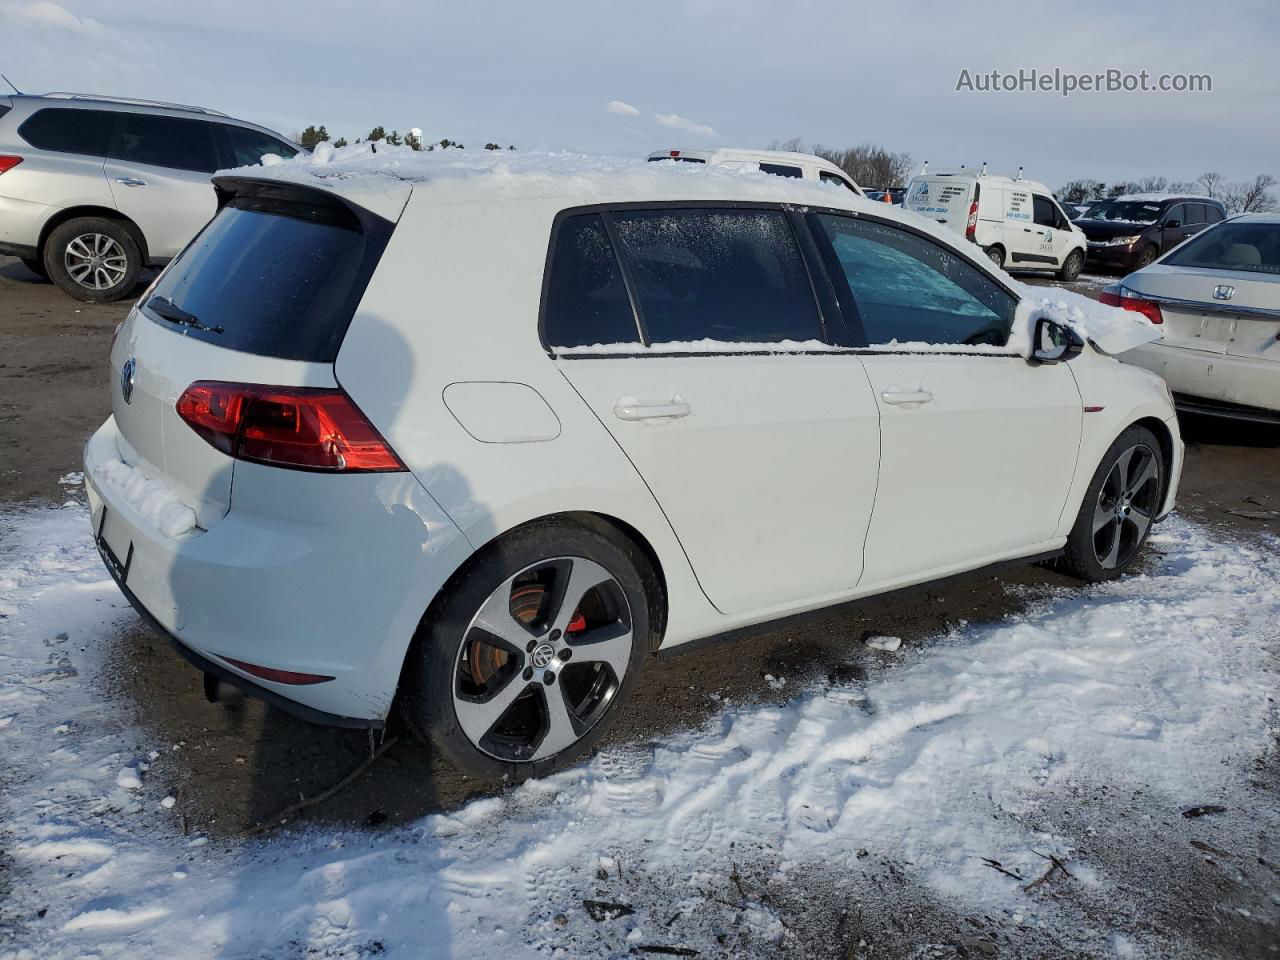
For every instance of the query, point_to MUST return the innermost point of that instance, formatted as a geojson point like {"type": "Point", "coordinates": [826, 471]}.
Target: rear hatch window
{"type": "Point", "coordinates": [278, 272]}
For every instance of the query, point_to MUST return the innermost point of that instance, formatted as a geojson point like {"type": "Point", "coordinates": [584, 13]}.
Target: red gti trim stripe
{"type": "Point", "coordinates": [1094, 409]}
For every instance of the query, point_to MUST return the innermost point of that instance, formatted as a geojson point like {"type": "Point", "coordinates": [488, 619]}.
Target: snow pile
{"type": "Point", "coordinates": [945, 760]}
{"type": "Point", "coordinates": [148, 495]}
{"type": "Point", "coordinates": [1111, 329]}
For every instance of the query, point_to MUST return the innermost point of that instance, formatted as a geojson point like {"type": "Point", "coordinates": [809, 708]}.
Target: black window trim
{"type": "Point", "coordinates": [829, 325]}
{"type": "Point", "coordinates": [111, 134]}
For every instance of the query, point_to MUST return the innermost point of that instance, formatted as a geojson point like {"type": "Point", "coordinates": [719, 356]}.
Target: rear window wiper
{"type": "Point", "coordinates": [166, 309]}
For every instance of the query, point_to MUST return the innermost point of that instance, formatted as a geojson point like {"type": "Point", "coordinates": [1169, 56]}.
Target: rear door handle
{"type": "Point", "coordinates": [131, 181]}
{"type": "Point", "coordinates": [900, 398]}
{"type": "Point", "coordinates": [628, 409]}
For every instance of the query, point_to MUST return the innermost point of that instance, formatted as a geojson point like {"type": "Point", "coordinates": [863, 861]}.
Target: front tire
{"type": "Point", "coordinates": [1146, 256]}
{"type": "Point", "coordinates": [524, 662]}
{"type": "Point", "coordinates": [1071, 267]}
{"type": "Point", "coordinates": [93, 259]}
{"type": "Point", "coordinates": [1119, 508]}
{"type": "Point", "coordinates": [995, 253]}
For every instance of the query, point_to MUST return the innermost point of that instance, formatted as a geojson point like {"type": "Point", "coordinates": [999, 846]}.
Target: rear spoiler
{"type": "Point", "coordinates": [299, 200]}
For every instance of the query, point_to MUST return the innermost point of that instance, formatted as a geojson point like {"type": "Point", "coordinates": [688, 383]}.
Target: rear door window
{"type": "Point", "coordinates": [248, 147]}
{"type": "Point", "coordinates": [586, 300]}
{"type": "Point", "coordinates": [275, 277]}
{"type": "Point", "coordinates": [718, 274]}
{"type": "Point", "coordinates": [70, 130]}
{"type": "Point", "coordinates": [781, 170]}
{"type": "Point", "coordinates": [173, 142]}
{"type": "Point", "coordinates": [1212, 214]}
{"type": "Point", "coordinates": [908, 289]}
{"type": "Point", "coordinates": [1195, 213]}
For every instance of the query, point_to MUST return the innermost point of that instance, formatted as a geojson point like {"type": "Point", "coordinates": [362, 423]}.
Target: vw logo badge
{"type": "Point", "coordinates": [1224, 291]}
{"type": "Point", "coordinates": [543, 654]}
{"type": "Point", "coordinates": [126, 379]}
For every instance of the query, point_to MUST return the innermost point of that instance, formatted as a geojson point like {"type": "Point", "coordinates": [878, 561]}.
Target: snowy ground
{"type": "Point", "coordinates": [910, 814]}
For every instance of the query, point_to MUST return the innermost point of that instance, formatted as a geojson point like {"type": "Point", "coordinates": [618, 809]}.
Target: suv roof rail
{"type": "Point", "coordinates": [135, 101]}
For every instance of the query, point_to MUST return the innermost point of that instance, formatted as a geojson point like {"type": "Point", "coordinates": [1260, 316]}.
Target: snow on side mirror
{"type": "Point", "coordinates": [1053, 343]}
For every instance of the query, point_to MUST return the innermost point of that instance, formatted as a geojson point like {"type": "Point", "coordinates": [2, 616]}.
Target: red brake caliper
{"type": "Point", "coordinates": [577, 624]}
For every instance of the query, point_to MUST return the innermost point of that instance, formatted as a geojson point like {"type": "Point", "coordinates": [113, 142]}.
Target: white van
{"type": "Point", "coordinates": [1017, 222]}
{"type": "Point", "coordinates": [783, 163]}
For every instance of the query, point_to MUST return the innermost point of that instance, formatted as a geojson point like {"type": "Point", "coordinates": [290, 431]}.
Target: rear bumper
{"type": "Point", "coordinates": [20, 225]}
{"type": "Point", "coordinates": [307, 573]}
{"type": "Point", "coordinates": [1216, 378]}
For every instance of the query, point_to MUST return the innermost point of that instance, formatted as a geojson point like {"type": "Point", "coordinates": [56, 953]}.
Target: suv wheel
{"type": "Point", "coordinates": [1071, 266]}
{"type": "Point", "coordinates": [523, 664]}
{"type": "Point", "coordinates": [1122, 501]}
{"type": "Point", "coordinates": [93, 259]}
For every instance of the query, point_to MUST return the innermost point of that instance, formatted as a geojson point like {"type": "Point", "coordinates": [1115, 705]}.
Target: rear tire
{"type": "Point", "coordinates": [1071, 267]}
{"type": "Point", "coordinates": [501, 653]}
{"type": "Point", "coordinates": [36, 267]}
{"type": "Point", "coordinates": [995, 253]}
{"type": "Point", "coordinates": [93, 259]}
{"type": "Point", "coordinates": [1119, 508]}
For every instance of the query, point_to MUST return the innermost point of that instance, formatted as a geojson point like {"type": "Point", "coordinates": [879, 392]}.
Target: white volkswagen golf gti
{"type": "Point", "coordinates": [479, 442]}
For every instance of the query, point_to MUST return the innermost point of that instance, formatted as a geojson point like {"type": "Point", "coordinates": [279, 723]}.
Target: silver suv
{"type": "Point", "coordinates": [93, 189]}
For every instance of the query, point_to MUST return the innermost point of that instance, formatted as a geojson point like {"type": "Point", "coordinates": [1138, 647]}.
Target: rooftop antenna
{"type": "Point", "coordinates": [962, 166]}
{"type": "Point", "coordinates": [925, 169]}
{"type": "Point", "coordinates": [983, 171]}
{"type": "Point", "coordinates": [10, 83]}
{"type": "Point", "coordinates": [1019, 176]}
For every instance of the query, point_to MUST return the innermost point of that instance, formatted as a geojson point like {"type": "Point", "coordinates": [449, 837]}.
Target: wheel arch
{"type": "Point", "coordinates": [1165, 438]}
{"type": "Point", "coordinates": [91, 210]}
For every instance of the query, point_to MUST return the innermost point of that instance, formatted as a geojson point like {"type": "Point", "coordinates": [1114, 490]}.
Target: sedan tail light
{"type": "Point", "coordinates": [1126, 299]}
{"type": "Point", "coordinates": [303, 428]}
{"type": "Point", "coordinates": [8, 162]}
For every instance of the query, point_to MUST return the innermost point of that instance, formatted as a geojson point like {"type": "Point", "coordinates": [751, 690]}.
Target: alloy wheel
{"type": "Point", "coordinates": [95, 261]}
{"type": "Point", "coordinates": [1126, 505]}
{"type": "Point", "coordinates": [541, 660]}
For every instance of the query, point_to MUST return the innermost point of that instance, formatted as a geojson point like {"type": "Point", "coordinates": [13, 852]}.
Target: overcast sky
{"type": "Point", "coordinates": [628, 77]}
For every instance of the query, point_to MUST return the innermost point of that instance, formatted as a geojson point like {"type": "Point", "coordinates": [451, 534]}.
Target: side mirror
{"type": "Point", "coordinates": [1172, 224]}
{"type": "Point", "coordinates": [1054, 343]}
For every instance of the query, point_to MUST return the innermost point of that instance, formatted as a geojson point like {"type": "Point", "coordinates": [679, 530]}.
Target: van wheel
{"type": "Point", "coordinates": [995, 253]}
{"type": "Point", "coordinates": [93, 259]}
{"type": "Point", "coordinates": [36, 267]}
{"type": "Point", "coordinates": [1071, 266]}
{"type": "Point", "coordinates": [523, 664]}
{"type": "Point", "coordinates": [1146, 256]}
{"type": "Point", "coordinates": [1119, 507]}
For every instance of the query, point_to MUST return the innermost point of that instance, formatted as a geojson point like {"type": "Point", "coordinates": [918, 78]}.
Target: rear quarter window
{"type": "Point", "coordinates": [275, 277]}
{"type": "Point", "coordinates": [70, 130]}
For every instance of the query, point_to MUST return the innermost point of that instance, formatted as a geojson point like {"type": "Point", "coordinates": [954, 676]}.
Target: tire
{"type": "Point", "coordinates": [1071, 267]}
{"type": "Point", "coordinates": [1146, 256]}
{"type": "Point", "coordinates": [995, 253]}
{"type": "Point", "coordinates": [36, 267]}
{"type": "Point", "coordinates": [1119, 508]}
{"type": "Point", "coordinates": [93, 259]}
{"type": "Point", "coordinates": [481, 694]}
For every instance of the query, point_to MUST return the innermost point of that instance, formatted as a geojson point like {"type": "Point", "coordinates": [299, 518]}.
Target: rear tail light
{"type": "Point", "coordinates": [971, 225]}
{"type": "Point", "coordinates": [303, 428]}
{"type": "Point", "coordinates": [1126, 299]}
{"type": "Point", "coordinates": [8, 162]}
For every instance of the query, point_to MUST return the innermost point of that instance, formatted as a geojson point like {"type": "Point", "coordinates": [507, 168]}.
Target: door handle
{"type": "Point", "coordinates": [131, 181]}
{"type": "Point", "coordinates": [628, 409]}
{"type": "Point", "coordinates": [900, 398]}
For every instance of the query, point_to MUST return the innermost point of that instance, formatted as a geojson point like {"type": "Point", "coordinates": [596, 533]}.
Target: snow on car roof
{"type": "Point", "coordinates": [1157, 197]}
{"type": "Point", "coordinates": [381, 179]}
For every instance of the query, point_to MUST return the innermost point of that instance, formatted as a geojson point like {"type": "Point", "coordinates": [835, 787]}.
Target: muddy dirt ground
{"type": "Point", "coordinates": [238, 765]}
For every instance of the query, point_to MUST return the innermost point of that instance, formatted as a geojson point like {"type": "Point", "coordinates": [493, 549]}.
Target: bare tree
{"type": "Point", "coordinates": [1081, 191]}
{"type": "Point", "coordinates": [1211, 183]}
{"type": "Point", "coordinates": [868, 164]}
{"type": "Point", "coordinates": [1252, 197]}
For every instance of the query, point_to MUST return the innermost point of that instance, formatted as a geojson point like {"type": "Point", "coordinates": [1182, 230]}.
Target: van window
{"type": "Point", "coordinates": [70, 130]}
{"type": "Point", "coordinates": [1046, 214]}
{"type": "Point", "coordinates": [1212, 214]}
{"type": "Point", "coordinates": [1195, 213]}
{"type": "Point", "coordinates": [781, 170]}
{"type": "Point", "coordinates": [727, 275]}
{"type": "Point", "coordinates": [1177, 212]}
{"type": "Point", "coordinates": [274, 277]}
{"type": "Point", "coordinates": [166, 142]}
{"type": "Point", "coordinates": [908, 289]}
{"type": "Point", "coordinates": [828, 177]}
{"type": "Point", "coordinates": [586, 300]}
{"type": "Point", "coordinates": [248, 147]}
